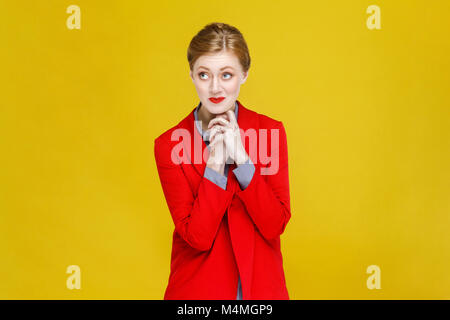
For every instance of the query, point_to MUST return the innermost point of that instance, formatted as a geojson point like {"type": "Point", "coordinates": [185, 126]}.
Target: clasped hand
{"type": "Point", "coordinates": [225, 140]}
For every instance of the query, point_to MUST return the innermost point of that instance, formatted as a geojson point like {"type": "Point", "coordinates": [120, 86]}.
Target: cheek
{"type": "Point", "coordinates": [201, 87]}
{"type": "Point", "coordinates": [232, 86]}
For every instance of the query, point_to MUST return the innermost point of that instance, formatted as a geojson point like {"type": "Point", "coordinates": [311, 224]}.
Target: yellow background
{"type": "Point", "coordinates": [366, 114]}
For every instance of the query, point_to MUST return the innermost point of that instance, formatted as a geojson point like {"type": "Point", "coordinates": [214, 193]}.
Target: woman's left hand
{"type": "Point", "coordinates": [232, 136]}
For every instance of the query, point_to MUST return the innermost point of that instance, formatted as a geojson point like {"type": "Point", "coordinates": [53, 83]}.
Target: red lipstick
{"type": "Point", "coordinates": [216, 100]}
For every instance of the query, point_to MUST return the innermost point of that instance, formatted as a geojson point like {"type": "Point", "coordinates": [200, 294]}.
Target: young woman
{"type": "Point", "coordinates": [229, 200]}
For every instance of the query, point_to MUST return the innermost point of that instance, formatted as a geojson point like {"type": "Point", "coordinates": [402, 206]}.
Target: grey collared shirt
{"type": "Point", "coordinates": [244, 173]}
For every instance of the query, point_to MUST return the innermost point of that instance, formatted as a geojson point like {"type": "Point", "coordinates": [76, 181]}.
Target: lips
{"type": "Point", "coordinates": [216, 100]}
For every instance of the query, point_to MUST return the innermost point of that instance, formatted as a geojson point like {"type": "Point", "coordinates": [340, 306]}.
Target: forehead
{"type": "Point", "coordinates": [218, 61]}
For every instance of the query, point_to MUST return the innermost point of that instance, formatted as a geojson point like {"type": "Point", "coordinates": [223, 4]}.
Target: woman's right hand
{"type": "Point", "coordinates": [217, 154]}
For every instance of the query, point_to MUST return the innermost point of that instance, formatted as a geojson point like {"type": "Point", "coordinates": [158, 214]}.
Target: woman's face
{"type": "Point", "coordinates": [218, 75]}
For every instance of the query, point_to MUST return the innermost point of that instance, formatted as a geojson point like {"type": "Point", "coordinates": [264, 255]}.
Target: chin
{"type": "Point", "coordinates": [217, 109]}
{"type": "Point", "coordinates": [212, 108]}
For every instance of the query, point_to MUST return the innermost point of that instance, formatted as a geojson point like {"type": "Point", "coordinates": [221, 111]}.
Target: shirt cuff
{"type": "Point", "coordinates": [244, 173]}
{"type": "Point", "coordinates": [215, 177]}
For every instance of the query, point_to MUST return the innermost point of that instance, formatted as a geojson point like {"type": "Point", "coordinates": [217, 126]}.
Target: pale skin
{"type": "Point", "coordinates": [220, 75]}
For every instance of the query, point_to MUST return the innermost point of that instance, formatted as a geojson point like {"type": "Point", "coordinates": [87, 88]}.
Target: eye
{"type": "Point", "coordinates": [200, 75]}
{"type": "Point", "coordinates": [227, 73]}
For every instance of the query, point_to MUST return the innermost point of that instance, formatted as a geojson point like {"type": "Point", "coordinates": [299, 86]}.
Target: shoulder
{"type": "Point", "coordinates": [268, 123]}
{"type": "Point", "coordinates": [264, 121]}
{"type": "Point", "coordinates": [166, 136]}
{"type": "Point", "coordinates": [165, 142]}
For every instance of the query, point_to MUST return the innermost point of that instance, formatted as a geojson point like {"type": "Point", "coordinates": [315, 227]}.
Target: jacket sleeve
{"type": "Point", "coordinates": [267, 198]}
{"type": "Point", "coordinates": [196, 219]}
{"type": "Point", "coordinates": [217, 178]}
{"type": "Point", "coordinates": [244, 173]}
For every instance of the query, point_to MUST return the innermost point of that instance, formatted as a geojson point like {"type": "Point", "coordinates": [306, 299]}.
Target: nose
{"type": "Point", "coordinates": [215, 86]}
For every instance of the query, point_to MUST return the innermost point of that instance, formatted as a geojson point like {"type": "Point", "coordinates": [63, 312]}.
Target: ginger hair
{"type": "Point", "coordinates": [216, 37]}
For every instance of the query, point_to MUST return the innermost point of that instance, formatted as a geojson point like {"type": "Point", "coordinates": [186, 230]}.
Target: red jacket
{"type": "Point", "coordinates": [220, 234]}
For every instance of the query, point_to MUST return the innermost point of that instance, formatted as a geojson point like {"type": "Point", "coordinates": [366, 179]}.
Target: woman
{"type": "Point", "coordinates": [229, 200]}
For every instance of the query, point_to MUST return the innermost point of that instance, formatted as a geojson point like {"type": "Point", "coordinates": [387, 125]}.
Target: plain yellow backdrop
{"type": "Point", "coordinates": [366, 114]}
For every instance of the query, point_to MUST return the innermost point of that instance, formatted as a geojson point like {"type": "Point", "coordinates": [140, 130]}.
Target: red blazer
{"type": "Point", "coordinates": [221, 234]}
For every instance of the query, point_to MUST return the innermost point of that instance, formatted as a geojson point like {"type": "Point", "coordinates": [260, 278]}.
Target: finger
{"type": "Point", "coordinates": [231, 115]}
{"type": "Point", "coordinates": [223, 116]}
{"type": "Point", "coordinates": [220, 121]}
{"type": "Point", "coordinates": [214, 130]}
{"type": "Point", "coordinates": [218, 138]}
{"type": "Point", "coordinates": [232, 118]}
{"type": "Point", "coordinates": [217, 127]}
{"type": "Point", "coordinates": [215, 133]}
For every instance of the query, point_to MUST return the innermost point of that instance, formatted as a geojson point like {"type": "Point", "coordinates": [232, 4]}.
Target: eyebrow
{"type": "Point", "coordinates": [220, 68]}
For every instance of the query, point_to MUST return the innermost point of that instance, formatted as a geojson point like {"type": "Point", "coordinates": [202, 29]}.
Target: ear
{"type": "Point", "coordinates": [191, 75]}
{"type": "Point", "coordinates": [245, 77]}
